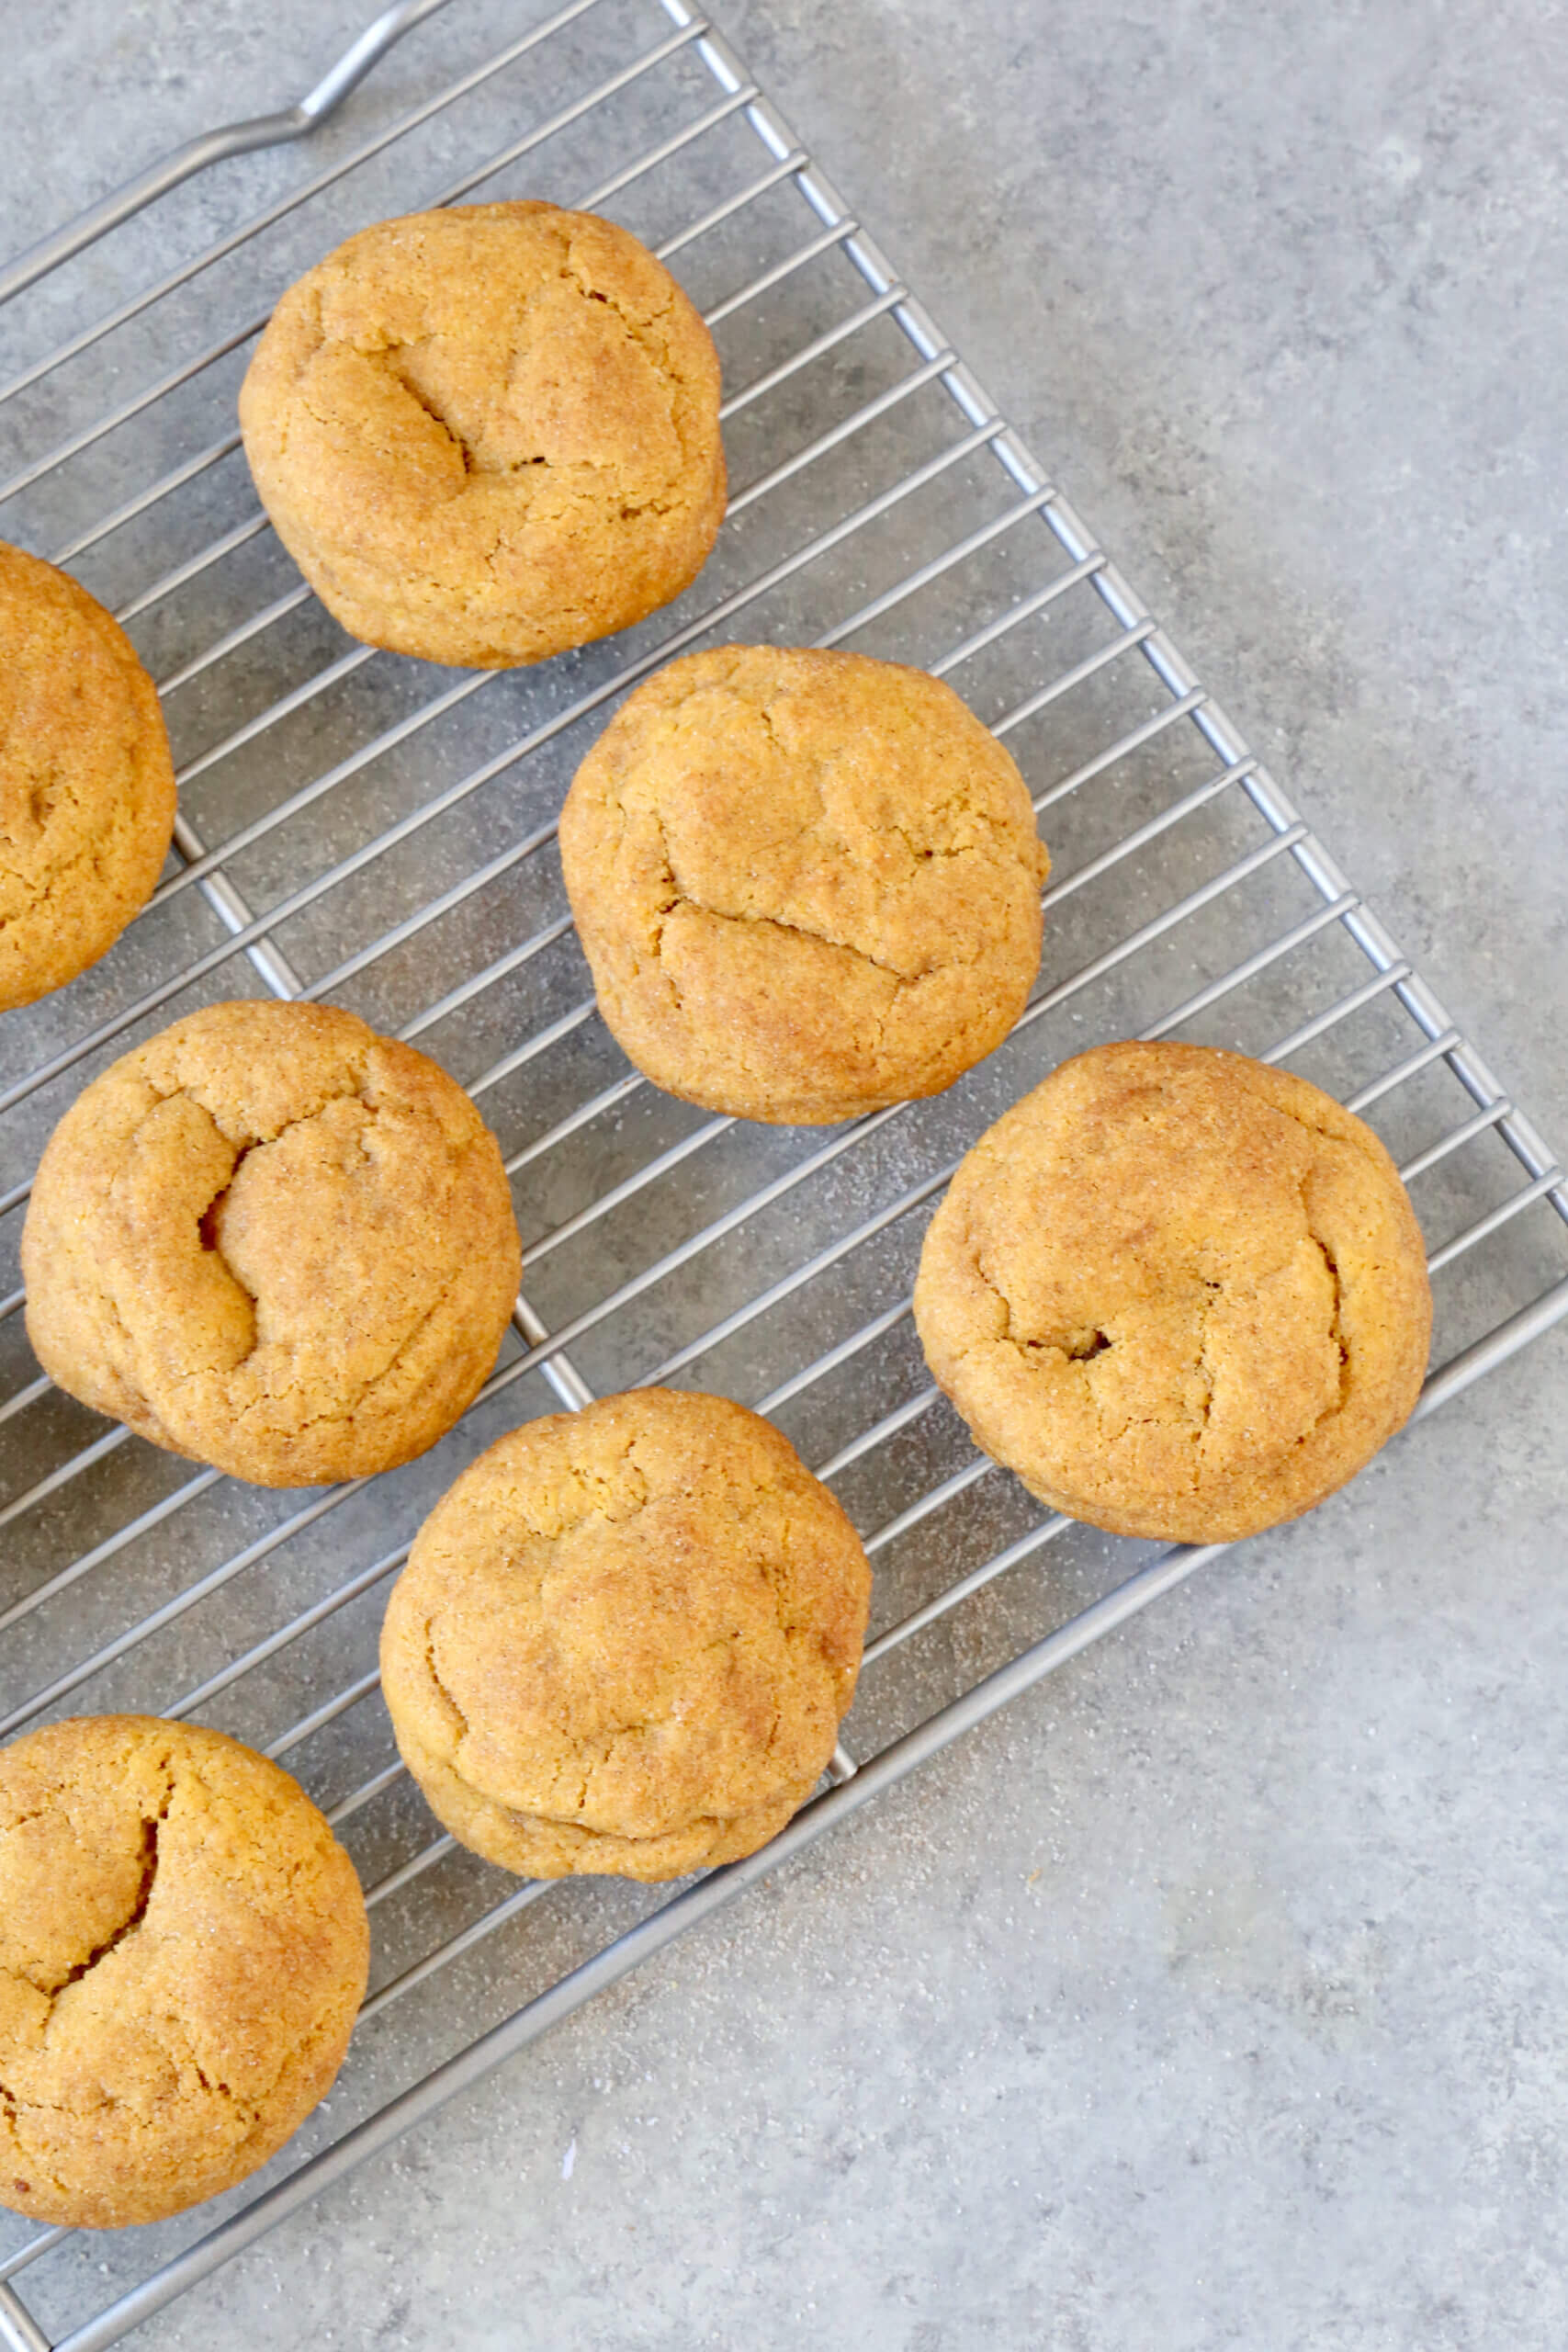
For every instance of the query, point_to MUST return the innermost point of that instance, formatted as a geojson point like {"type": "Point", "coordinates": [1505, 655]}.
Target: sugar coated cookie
{"type": "Point", "coordinates": [274, 1241]}
{"type": "Point", "coordinates": [807, 883]}
{"type": "Point", "coordinates": [86, 784]}
{"type": "Point", "coordinates": [624, 1639]}
{"type": "Point", "coordinates": [183, 1952]}
{"type": "Point", "coordinates": [1181, 1294]}
{"type": "Point", "coordinates": [489, 432]}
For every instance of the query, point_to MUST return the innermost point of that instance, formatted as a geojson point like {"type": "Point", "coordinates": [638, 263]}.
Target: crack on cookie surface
{"type": "Point", "coordinates": [1337, 1314]}
{"type": "Point", "coordinates": [138, 1911]}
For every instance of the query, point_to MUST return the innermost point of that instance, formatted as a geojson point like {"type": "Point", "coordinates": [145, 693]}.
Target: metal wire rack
{"type": "Point", "coordinates": [370, 830]}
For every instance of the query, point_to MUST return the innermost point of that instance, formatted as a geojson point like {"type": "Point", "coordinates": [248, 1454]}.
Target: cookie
{"type": "Point", "coordinates": [808, 884]}
{"type": "Point", "coordinates": [488, 434]}
{"type": "Point", "coordinates": [183, 1952]}
{"type": "Point", "coordinates": [1181, 1294]}
{"type": "Point", "coordinates": [624, 1639]}
{"type": "Point", "coordinates": [272, 1240]}
{"type": "Point", "coordinates": [86, 784]}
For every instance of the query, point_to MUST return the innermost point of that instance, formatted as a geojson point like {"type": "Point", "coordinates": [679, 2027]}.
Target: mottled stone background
{"type": "Point", "coordinates": [1213, 1995]}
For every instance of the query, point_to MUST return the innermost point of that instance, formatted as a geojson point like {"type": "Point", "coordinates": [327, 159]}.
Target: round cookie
{"type": "Point", "coordinates": [86, 784]}
{"type": "Point", "coordinates": [489, 432]}
{"type": "Point", "coordinates": [183, 1952]}
{"type": "Point", "coordinates": [1181, 1294]}
{"type": "Point", "coordinates": [272, 1240]}
{"type": "Point", "coordinates": [807, 883]}
{"type": "Point", "coordinates": [626, 1638]}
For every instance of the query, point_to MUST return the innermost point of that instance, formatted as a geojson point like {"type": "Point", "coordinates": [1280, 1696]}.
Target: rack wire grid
{"type": "Point", "coordinates": [364, 829]}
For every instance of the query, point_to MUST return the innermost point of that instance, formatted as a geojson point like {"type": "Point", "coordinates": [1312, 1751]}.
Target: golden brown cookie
{"type": "Point", "coordinates": [807, 883]}
{"type": "Point", "coordinates": [489, 432]}
{"type": "Point", "coordinates": [1181, 1294]}
{"type": "Point", "coordinates": [183, 1952]}
{"type": "Point", "coordinates": [86, 784]}
{"type": "Point", "coordinates": [626, 1638]}
{"type": "Point", "coordinates": [274, 1241]}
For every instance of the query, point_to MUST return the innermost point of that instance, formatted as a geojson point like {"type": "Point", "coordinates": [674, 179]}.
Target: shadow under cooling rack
{"type": "Point", "coordinates": [372, 831]}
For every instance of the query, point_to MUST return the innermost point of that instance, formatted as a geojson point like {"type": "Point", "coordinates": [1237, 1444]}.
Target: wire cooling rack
{"type": "Point", "coordinates": [370, 831]}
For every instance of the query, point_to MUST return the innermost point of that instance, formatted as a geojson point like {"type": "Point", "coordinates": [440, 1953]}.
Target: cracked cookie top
{"type": "Point", "coordinates": [626, 1638]}
{"type": "Point", "coordinates": [488, 432]}
{"type": "Point", "coordinates": [87, 785]}
{"type": "Point", "coordinates": [1181, 1294]}
{"type": "Point", "coordinates": [807, 883]}
{"type": "Point", "coordinates": [183, 1952]}
{"type": "Point", "coordinates": [274, 1241]}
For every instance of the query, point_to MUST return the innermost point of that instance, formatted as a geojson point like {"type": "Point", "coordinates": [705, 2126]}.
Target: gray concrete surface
{"type": "Point", "coordinates": [1213, 1995]}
